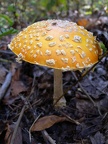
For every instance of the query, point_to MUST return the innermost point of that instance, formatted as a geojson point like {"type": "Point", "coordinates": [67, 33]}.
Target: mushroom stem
{"type": "Point", "coordinates": [58, 88]}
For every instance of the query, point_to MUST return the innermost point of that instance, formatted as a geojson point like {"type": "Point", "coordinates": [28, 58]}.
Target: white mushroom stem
{"type": "Point", "coordinates": [58, 89]}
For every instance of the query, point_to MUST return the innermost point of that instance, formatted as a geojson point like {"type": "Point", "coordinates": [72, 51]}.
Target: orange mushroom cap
{"type": "Point", "coordinates": [58, 44]}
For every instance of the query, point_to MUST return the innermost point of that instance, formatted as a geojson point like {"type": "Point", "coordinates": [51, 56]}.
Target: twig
{"type": "Point", "coordinates": [70, 119]}
{"type": "Point", "coordinates": [84, 90]}
{"type": "Point", "coordinates": [32, 126]}
{"type": "Point", "coordinates": [44, 133]}
{"type": "Point", "coordinates": [83, 75]}
{"type": "Point", "coordinates": [17, 125]}
{"type": "Point", "coordinates": [5, 60]}
{"type": "Point", "coordinates": [47, 137]}
{"type": "Point", "coordinates": [6, 52]}
{"type": "Point", "coordinates": [102, 91]}
{"type": "Point", "coordinates": [5, 85]}
{"type": "Point", "coordinates": [20, 117]}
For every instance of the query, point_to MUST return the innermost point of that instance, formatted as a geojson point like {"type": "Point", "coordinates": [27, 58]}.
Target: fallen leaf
{"type": "Point", "coordinates": [83, 22]}
{"type": "Point", "coordinates": [46, 122]}
{"type": "Point", "coordinates": [3, 72]}
{"type": "Point", "coordinates": [94, 86]}
{"type": "Point", "coordinates": [3, 126]}
{"type": "Point", "coordinates": [15, 69]}
{"type": "Point", "coordinates": [8, 136]}
{"type": "Point", "coordinates": [84, 106]}
{"type": "Point", "coordinates": [17, 87]}
{"type": "Point", "coordinates": [12, 94]}
{"type": "Point", "coordinates": [98, 138]}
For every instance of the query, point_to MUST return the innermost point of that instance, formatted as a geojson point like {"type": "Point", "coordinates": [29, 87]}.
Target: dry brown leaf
{"type": "Point", "coordinates": [98, 138]}
{"type": "Point", "coordinates": [83, 22]}
{"type": "Point", "coordinates": [17, 87]}
{"type": "Point", "coordinates": [18, 138]}
{"type": "Point", "coordinates": [15, 69]}
{"type": "Point", "coordinates": [3, 126]}
{"type": "Point", "coordinates": [84, 106]}
{"type": "Point", "coordinates": [47, 122]}
{"type": "Point", "coordinates": [8, 99]}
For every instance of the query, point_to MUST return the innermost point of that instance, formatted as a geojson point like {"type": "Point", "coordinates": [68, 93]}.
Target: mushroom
{"type": "Point", "coordinates": [57, 44]}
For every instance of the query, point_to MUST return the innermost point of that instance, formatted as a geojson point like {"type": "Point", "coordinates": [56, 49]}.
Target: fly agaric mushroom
{"type": "Point", "coordinates": [57, 44]}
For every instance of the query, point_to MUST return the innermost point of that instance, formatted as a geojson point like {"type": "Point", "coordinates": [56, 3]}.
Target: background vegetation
{"type": "Point", "coordinates": [20, 13]}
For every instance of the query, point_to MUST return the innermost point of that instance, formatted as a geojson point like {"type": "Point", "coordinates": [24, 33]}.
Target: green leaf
{"type": "Point", "coordinates": [103, 47]}
{"type": "Point", "coordinates": [5, 32]}
{"type": "Point", "coordinates": [11, 8]}
{"type": "Point", "coordinates": [7, 19]}
{"type": "Point", "coordinates": [2, 30]}
{"type": "Point", "coordinates": [51, 4]}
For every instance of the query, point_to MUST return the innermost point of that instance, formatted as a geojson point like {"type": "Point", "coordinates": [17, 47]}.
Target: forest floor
{"type": "Point", "coordinates": [26, 101]}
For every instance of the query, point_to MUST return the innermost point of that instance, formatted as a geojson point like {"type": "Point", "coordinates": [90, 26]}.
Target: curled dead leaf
{"type": "Point", "coordinates": [9, 132]}
{"type": "Point", "coordinates": [83, 22]}
{"type": "Point", "coordinates": [17, 87]}
{"type": "Point", "coordinates": [46, 122]}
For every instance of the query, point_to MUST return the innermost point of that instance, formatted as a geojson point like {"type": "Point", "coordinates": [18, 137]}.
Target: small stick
{"type": "Point", "coordinates": [5, 85]}
{"type": "Point", "coordinates": [47, 137]}
{"type": "Point", "coordinates": [95, 105]}
{"type": "Point", "coordinates": [32, 126]}
{"type": "Point", "coordinates": [6, 52]}
{"type": "Point", "coordinates": [19, 119]}
{"type": "Point", "coordinates": [83, 75]}
{"type": "Point", "coordinates": [17, 125]}
{"type": "Point", "coordinates": [5, 60]}
{"type": "Point", "coordinates": [84, 90]}
{"type": "Point", "coordinates": [70, 119]}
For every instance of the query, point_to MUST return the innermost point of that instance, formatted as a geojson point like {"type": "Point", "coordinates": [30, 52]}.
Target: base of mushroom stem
{"type": "Point", "coordinates": [60, 104]}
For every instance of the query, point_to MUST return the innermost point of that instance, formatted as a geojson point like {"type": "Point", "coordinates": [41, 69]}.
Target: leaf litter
{"type": "Point", "coordinates": [33, 86]}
